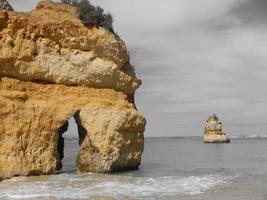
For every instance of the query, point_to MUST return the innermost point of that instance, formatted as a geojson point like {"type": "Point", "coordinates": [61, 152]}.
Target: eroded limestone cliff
{"type": "Point", "coordinates": [51, 44]}
{"type": "Point", "coordinates": [53, 68]}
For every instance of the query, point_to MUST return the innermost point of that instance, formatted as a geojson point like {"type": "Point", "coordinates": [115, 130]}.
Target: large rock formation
{"type": "Point", "coordinates": [213, 131]}
{"type": "Point", "coordinates": [53, 68]}
{"type": "Point", "coordinates": [50, 44]}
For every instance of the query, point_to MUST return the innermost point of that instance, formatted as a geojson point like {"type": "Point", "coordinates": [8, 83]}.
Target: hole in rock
{"type": "Point", "coordinates": [71, 134]}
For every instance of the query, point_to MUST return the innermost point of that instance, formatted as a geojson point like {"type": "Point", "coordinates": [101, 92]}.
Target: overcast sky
{"type": "Point", "coordinates": [195, 58]}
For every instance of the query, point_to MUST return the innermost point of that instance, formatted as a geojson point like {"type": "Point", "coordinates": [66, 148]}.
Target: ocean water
{"type": "Point", "coordinates": [172, 168]}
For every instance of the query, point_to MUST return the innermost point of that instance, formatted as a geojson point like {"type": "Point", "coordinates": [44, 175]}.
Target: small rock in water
{"type": "Point", "coordinates": [213, 131]}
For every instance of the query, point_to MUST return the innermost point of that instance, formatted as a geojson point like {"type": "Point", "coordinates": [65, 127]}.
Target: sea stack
{"type": "Point", "coordinates": [52, 68]}
{"type": "Point", "coordinates": [213, 131]}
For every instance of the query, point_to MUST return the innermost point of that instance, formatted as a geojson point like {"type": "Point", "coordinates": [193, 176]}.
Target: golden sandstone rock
{"type": "Point", "coordinates": [213, 131]}
{"type": "Point", "coordinates": [50, 44]}
{"type": "Point", "coordinates": [53, 68]}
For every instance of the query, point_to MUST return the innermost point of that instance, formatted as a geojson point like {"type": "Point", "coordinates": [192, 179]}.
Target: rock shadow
{"type": "Point", "coordinates": [82, 132]}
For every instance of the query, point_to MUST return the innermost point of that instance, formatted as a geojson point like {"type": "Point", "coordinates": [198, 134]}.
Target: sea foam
{"type": "Point", "coordinates": [72, 186]}
{"type": "Point", "coordinates": [249, 136]}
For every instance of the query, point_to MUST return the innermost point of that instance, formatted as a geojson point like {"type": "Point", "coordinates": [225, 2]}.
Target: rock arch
{"type": "Point", "coordinates": [33, 115]}
{"type": "Point", "coordinates": [53, 68]}
{"type": "Point", "coordinates": [81, 133]}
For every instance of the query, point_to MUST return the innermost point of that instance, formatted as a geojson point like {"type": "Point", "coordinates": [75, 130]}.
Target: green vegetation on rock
{"type": "Point", "coordinates": [5, 5]}
{"type": "Point", "coordinates": [91, 15]}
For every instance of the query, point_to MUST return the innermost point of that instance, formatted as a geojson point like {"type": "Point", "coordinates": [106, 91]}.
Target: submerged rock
{"type": "Point", "coordinates": [213, 131]}
{"type": "Point", "coordinates": [53, 68]}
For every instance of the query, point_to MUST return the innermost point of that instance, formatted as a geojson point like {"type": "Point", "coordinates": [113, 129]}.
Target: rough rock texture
{"type": "Point", "coordinates": [53, 68]}
{"type": "Point", "coordinates": [50, 44]}
{"type": "Point", "coordinates": [213, 131]}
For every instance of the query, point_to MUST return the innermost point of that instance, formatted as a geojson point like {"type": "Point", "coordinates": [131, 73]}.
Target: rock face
{"type": "Point", "coordinates": [50, 44]}
{"type": "Point", "coordinates": [213, 131]}
{"type": "Point", "coordinates": [53, 68]}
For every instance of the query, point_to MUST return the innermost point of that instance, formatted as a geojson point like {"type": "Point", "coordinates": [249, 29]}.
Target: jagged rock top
{"type": "Point", "coordinates": [51, 44]}
{"type": "Point", "coordinates": [213, 124]}
{"type": "Point", "coordinates": [213, 131]}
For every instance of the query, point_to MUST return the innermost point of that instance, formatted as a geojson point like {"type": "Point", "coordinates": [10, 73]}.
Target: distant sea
{"type": "Point", "coordinates": [172, 168]}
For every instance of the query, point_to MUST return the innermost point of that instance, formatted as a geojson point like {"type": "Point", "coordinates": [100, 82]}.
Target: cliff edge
{"type": "Point", "coordinates": [53, 68]}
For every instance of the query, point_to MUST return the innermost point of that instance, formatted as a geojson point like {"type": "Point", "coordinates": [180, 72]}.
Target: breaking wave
{"type": "Point", "coordinates": [72, 186]}
{"type": "Point", "coordinates": [249, 136]}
